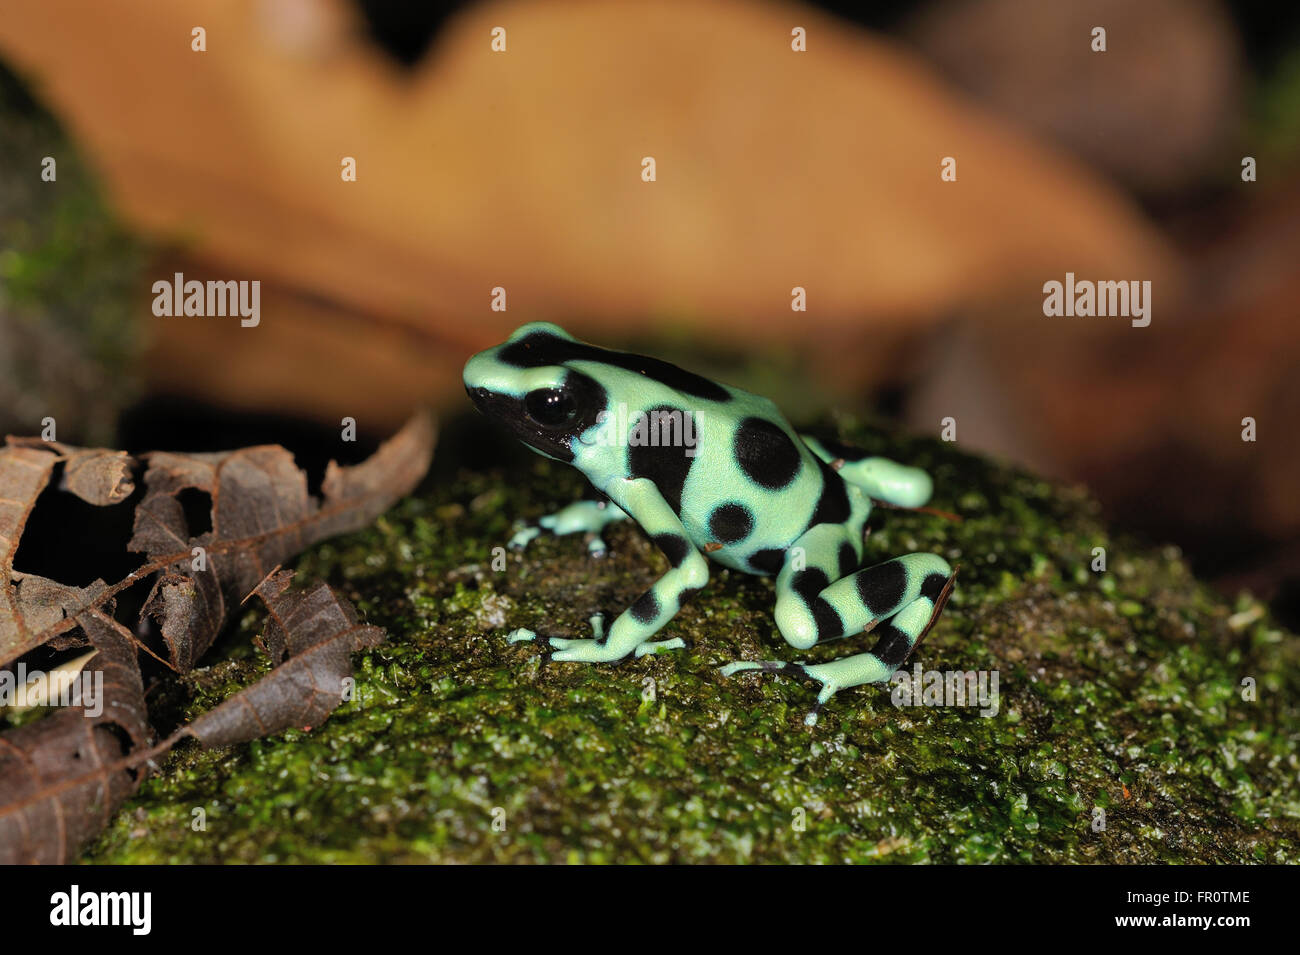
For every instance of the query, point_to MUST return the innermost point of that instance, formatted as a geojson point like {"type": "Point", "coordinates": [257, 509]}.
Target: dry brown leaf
{"type": "Point", "coordinates": [34, 609]}
{"type": "Point", "coordinates": [261, 515]}
{"type": "Point", "coordinates": [311, 637]}
{"type": "Point", "coordinates": [60, 782]}
{"type": "Point", "coordinates": [63, 776]}
{"type": "Point", "coordinates": [98, 476]}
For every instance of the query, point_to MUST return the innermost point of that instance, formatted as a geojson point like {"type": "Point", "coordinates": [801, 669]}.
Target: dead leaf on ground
{"type": "Point", "coordinates": [33, 609]}
{"type": "Point", "coordinates": [311, 637]}
{"type": "Point", "coordinates": [63, 776]}
{"type": "Point", "coordinates": [261, 515]}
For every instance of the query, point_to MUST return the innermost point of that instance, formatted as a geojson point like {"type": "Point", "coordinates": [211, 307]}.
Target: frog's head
{"type": "Point", "coordinates": [525, 385]}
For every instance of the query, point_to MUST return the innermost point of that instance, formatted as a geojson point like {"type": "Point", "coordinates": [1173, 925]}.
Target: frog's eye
{"type": "Point", "coordinates": [550, 407]}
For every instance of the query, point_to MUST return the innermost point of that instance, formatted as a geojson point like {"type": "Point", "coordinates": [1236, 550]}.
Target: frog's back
{"type": "Point", "coordinates": [743, 483]}
{"type": "Point", "coordinates": [739, 477]}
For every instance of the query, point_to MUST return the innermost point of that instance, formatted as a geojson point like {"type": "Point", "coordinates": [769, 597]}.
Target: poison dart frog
{"type": "Point", "coordinates": [708, 470]}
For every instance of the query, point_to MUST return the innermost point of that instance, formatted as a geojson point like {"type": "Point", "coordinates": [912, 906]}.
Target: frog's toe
{"type": "Point", "coordinates": [542, 643]}
{"type": "Point", "coordinates": [750, 666]}
{"type": "Point", "coordinates": [797, 670]}
{"type": "Point", "coordinates": [564, 643]}
{"type": "Point", "coordinates": [660, 646]}
{"type": "Point", "coordinates": [546, 646]}
{"type": "Point", "coordinates": [579, 651]}
{"type": "Point", "coordinates": [523, 537]}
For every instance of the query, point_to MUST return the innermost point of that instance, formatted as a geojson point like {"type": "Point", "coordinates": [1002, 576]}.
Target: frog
{"type": "Point", "coordinates": [713, 474]}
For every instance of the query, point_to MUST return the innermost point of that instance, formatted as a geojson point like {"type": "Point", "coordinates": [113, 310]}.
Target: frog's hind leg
{"type": "Point", "coordinates": [882, 479]}
{"type": "Point", "coordinates": [897, 637]}
{"type": "Point", "coordinates": [899, 599]}
{"type": "Point", "coordinates": [822, 595]}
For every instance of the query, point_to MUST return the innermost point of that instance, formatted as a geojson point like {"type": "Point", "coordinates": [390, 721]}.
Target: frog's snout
{"type": "Point", "coordinates": [481, 397]}
{"type": "Point", "coordinates": [496, 406]}
{"type": "Point", "coordinates": [474, 370]}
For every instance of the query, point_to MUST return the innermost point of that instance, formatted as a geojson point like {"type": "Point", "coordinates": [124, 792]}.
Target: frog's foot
{"type": "Point", "coordinates": [563, 649]}
{"type": "Point", "coordinates": [660, 646]}
{"type": "Point", "coordinates": [596, 648]}
{"type": "Point", "coordinates": [832, 680]}
{"type": "Point", "coordinates": [523, 536]}
{"type": "Point", "coordinates": [570, 649]}
{"type": "Point", "coordinates": [591, 649]}
{"type": "Point", "coordinates": [749, 666]}
{"type": "Point", "coordinates": [797, 670]}
{"type": "Point", "coordinates": [598, 651]}
{"type": "Point", "coordinates": [901, 635]}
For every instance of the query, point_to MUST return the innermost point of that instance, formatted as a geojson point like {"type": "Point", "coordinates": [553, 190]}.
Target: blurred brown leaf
{"type": "Point", "coordinates": [1158, 110]}
{"type": "Point", "coordinates": [523, 170]}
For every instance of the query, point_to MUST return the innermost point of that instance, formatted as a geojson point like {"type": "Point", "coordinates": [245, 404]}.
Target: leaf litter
{"type": "Point", "coordinates": [63, 776]}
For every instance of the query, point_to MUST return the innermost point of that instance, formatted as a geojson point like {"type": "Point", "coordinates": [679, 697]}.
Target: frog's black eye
{"type": "Point", "coordinates": [550, 407]}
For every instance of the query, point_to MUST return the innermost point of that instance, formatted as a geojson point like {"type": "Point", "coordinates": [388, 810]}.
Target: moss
{"type": "Point", "coordinates": [1274, 117]}
{"type": "Point", "coordinates": [1120, 692]}
{"type": "Point", "coordinates": [69, 346]}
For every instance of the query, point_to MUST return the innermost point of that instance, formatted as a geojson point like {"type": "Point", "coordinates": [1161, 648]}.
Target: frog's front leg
{"type": "Point", "coordinates": [597, 622]}
{"type": "Point", "coordinates": [580, 517]}
{"type": "Point", "coordinates": [632, 630]}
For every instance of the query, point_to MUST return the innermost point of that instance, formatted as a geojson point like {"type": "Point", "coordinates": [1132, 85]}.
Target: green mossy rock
{"type": "Point", "coordinates": [1121, 692]}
